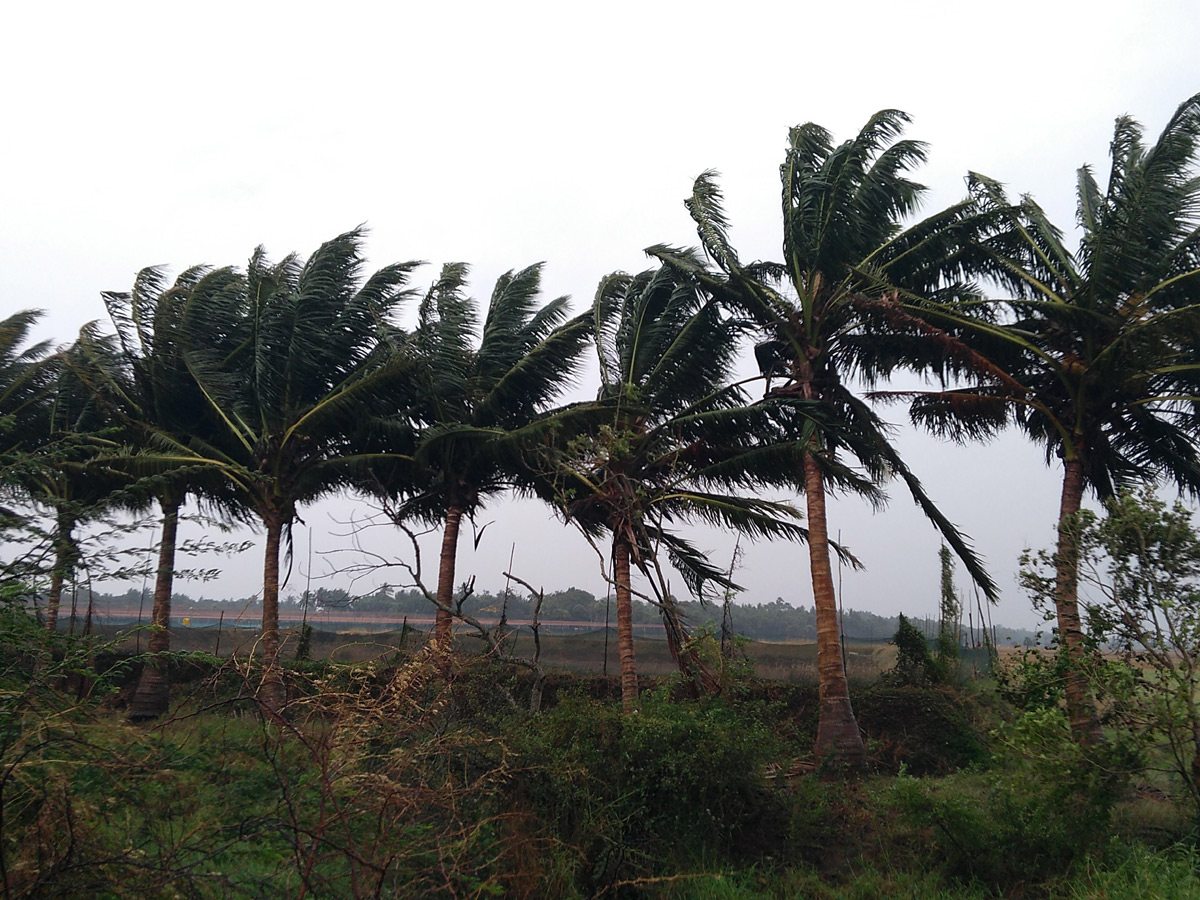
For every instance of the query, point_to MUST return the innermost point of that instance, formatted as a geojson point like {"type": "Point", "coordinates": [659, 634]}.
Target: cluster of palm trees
{"type": "Point", "coordinates": [256, 391]}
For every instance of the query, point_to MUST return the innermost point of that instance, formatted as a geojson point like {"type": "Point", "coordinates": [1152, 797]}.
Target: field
{"type": "Point", "coordinates": [584, 652]}
{"type": "Point", "coordinates": [386, 779]}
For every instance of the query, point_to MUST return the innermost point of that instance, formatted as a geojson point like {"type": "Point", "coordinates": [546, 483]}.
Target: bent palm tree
{"type": "Point", "coordinates": [26, 376]}
{"type": "Point", "coordinates": [678, 441]}
{"type": "Point", "coordinates": [22, 382]}
{"type": "Point", "coordinates": [829, 313]}
{"type": "Point", "coordinates": [290, 361]}
{"type": "Point", "coordinates": [163, 408]}
{"type": "Point", "coordinates": [478, 410]}
{"type": "Point", "coordinates": [73, 430]}
{"type": "Point", "coordinates": [1097, 359]}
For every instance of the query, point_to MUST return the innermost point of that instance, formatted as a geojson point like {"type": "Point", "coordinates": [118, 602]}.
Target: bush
{"type": "Point", "coordinates": [675, 782]}
{"type": "Point", "coordinates": [924, 730]}
{"type": "Point", "coordinates": [914, 664]}
{"type": "Point", "coordinates": [1043, 805]}
{"type": "Point", "coordinates": [365, 792]}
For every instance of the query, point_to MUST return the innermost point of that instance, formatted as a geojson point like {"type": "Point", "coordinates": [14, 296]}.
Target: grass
{"type": "Point", "coordinates": [385, 783]}
{"type": "Point", "coordinates": [787, 661]}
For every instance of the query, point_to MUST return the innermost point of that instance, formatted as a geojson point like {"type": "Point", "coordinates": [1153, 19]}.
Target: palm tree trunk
{"type": "Point", "coordinates": [153, 694]}
{"type": "Point", "coordinates": [629, 681]}
{"type": "Point", "coordinates": [838, 739]}
{"type": "Point", "coordinates": [53, 599]}
{"type": "Point", "coordinates": [443, 620]}
{"type": "Point", "coordinates": [64, 551]}
{"type": "Point", "coordinates": [1082, 711]}
{"type": "Point", "coordinates": [272, 693]}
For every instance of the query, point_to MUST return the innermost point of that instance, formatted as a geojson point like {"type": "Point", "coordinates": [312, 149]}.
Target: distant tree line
{"type": "Point", "coordinates": [777, 620]}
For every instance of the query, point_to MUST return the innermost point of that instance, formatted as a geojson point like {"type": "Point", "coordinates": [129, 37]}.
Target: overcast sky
{"type": "Point", "coordinates": [506, 133]}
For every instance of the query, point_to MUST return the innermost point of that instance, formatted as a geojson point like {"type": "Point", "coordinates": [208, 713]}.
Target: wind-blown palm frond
{"type": "Point", "coordinates": [22, 380]}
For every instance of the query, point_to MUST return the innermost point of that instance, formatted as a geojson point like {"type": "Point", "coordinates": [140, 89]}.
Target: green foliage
{"type": "Point", "coordinates": [1034, 680]}
{"type": "Point", "coordinates": [914, 664]}
{"type": "Point", "coordinates": [1042, 806]}
{"type": "Point", "coordinates": [1139, 569]}
{"type": "Point", "coordinates": [674, 782]}
{"type": "Point", "coordinates": [1133, 872]}
{"type": "Point", "coordinates": [731, 671]}
{"type": "Point", "coordinates": [919, 730]}
{"type": "Point", "coordinates": [950, 614]}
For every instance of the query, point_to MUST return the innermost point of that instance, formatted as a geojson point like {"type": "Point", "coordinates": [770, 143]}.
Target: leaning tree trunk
{"type": "Point", "coordinates": [1085, 724]}
{"type": "Point", "coordinates": [272, 692]}
{"type": "Point", "coordinates": [443, 620]}
{"type": "Point", "coordinates": [629, 680]}
{"type": "Point", "coordinates": [64, 558]}
{"type": "Point", "coordinates": [54, 598]}
{"type": "Point", "coordinates": [153, 694]}
{"type": "Point", "coordinates": [698, 678]}
{"type": "Point", "coordinates": [839, 742]}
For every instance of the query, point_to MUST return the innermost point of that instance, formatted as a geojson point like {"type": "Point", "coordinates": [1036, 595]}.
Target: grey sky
{"type": "Point", "coordinates": [503, 134]}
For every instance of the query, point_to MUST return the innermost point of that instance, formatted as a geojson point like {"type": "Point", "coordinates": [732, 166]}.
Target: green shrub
{"type": "Point", "coordinates": [1043, 805]}
{"type": "Point", "coordinates": [914, 663]}
{"type": "Point", "coordinates": [1134, 872]}
{"type": "Point", "coordinates": [675, 782]}
{"type": "Point", "coordinates": [927, 731]}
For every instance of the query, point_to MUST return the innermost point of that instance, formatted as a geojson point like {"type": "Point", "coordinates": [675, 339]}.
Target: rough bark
{"type": "Point", "coordinates": [443, 621]}
{"type": "Point", "coordinates": [53, 599]}
{"type": "Point", "coordinates": [629, 681]}
{"type": "Point", "coordinates": [153, 694]}
{"type": "Point", "coordinates": [272, 692]}
{"type": "Point", "coordinates": [1080, 708]}
{"type": "Point", "coordinates": [839, 742]}
{"type": "Point", "coordinates": [64, 551]}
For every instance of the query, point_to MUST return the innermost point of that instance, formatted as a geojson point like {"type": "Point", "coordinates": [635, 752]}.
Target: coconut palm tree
{"type": "Point", "coordinates": [836, 310]}
{"type": "Point", "coordinates": [22, 382]}
{"type": "Point", "coordinates": [291, 360]}
{"type": "Point", "coordinates": [478, 407]}
{"type": "Point", "coordinates": [23, 406]}
{"type": "Point", "coordinates": [70, 432]}
{"type": "Point", "coordinates": [1095, 355]}
{"type": "Point", "coordinates": [162, 408]}
{"type": "Point", "coordinates": [678, 441]}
